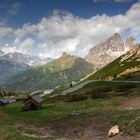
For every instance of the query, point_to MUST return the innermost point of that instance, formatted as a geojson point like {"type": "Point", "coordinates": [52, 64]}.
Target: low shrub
{"type": "Point", "coordinates": [76, 98]}
{"type": "Point", "coordinates": [126, 86]}
{"type": "Point", "coordinates": [122, 93]}
{"type": "Point", "coordinates": [99, 95]}
{"type": "Point", "coordinates": [100, 90]}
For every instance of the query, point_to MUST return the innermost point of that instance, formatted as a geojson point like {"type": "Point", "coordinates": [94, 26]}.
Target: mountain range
{"type": "Point", "coordinates": [14, 63]}
{"type": "Point", "coordinates": [8, 69]}
{"type": "Point", "coordinates": [24, 72]}
{"type": "Point", "coordinates": [109, 50]}
{"type": "Point", "coordinates": [25, 59]}
{"type": "Point", "coordinates": [61, 71]}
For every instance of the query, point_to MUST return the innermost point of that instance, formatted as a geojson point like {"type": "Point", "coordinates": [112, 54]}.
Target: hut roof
{"type": "Point", "coordinates": [4, 101]}
{"type": "Point", "coordinates": [37, 98]}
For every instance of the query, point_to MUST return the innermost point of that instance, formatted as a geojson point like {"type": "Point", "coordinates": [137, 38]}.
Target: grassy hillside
{"type": "Point", "coordinates": [73, 116]}
{"type": "Point", "coordinates": [64, 70]}
{"type": "Point", "coordinates": [113, 70]}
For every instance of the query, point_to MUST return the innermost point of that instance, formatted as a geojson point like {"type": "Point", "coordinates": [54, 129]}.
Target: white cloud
{"type": "Point", "coordinates": [64, 32]}
{"type": "Point", "coordinates": [24, 46]}
{"type": "Point", "coordinates": [27, 43]}
{"type": "Point", "coordinates": [120, 1]}
{"type": "Point", "coordinates": [3, 21]}
{"type": "Point", "coordinates": [4, 31]}
{"type": "Point", "coordinates": [26, 30]}
{"type": "Point", "coordinates": [13, 9]}
{"type": "Point", "coordinates": [10, 9]}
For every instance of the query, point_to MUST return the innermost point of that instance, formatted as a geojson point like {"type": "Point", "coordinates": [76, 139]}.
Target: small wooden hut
{"type": "Point", "coordinates": [32, 103]}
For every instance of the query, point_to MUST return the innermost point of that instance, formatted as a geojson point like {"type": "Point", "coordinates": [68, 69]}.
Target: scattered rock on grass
{"type": "Point", "coordinates": [114, 131]}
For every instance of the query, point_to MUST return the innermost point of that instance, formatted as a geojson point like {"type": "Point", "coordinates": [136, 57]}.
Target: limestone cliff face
{"type": "Point", "coordinates": [130, 42]}
{"type": "Point", "coordinates": [109, 50]}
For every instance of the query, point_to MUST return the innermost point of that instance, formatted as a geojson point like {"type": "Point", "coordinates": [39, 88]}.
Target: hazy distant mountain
{"type": "Point", "coordinates": [123, 67]}
{"type": "Point", "coordinates": [63, 70]}
{"type": "Point", "coordinates": [8, 69]}
{"type": "Point", "coordinates": [109, 50]}
{"type": "Point", "coordinates": [26, 59]}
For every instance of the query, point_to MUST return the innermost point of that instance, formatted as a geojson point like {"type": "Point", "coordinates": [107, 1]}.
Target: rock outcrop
{"type": "Point", "coordinates": [109, 50]}
{"type": "Point", "coordinates": [114, 131]}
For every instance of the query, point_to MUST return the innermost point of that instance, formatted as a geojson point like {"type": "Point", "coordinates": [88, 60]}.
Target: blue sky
{"type": "Point", "coordinates": [49, 27]}
{"type": "Point", "coordinates": [31, 11]}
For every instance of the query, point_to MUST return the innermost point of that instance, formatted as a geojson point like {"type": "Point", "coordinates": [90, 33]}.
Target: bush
{"type": "Point", "coordinates": [122, 93]}
{"type": "Point", "coordinates": [99, 93]}
{"type": "Point", "coordinates": [125, 87]}
{"type": "Point", "coordinates": [76, 98]}
{"type": "Point", "coordinates": [99, 90]}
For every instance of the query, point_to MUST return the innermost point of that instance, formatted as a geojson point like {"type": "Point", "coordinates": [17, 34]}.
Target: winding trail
{"type": "Point", "coordinates": [75, 88]}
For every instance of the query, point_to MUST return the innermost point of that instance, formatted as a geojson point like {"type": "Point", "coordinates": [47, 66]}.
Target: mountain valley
{"type": "Point", "coordinates": [61, 71]}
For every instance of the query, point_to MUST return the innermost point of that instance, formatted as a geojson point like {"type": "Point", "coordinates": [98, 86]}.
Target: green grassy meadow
{"type": "Point", "coordinates": [84, 101]}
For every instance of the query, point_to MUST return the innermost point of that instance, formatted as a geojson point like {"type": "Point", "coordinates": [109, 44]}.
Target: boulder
{"type": "Point", "coordinates": [113, 131]}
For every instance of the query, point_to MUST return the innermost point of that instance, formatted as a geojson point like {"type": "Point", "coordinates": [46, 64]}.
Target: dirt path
{"type": "Point", "coordinates": [83, 127]}
{"type": "Point", "coordinates": [131, 104]}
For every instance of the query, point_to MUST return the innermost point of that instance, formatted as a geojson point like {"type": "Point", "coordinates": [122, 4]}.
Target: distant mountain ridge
{"type": "Point", "coordinates": [25, 59]}
{"type": "Point", "coordinates": [61, 71]}
{"type": "Point", "coordinates": [112, 48]}
{"type": "Point", "coordinates": [14, 63]}
{"type": "Point", "coordinates": [8, 69]}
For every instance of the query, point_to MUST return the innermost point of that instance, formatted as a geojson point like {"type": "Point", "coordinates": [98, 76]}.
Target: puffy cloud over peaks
{"type": "Point", "coordinates": [63, 31]}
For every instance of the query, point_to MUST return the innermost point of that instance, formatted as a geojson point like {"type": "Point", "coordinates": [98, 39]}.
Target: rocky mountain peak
{"type": "Point", "coordinates": [133, 53]}
{"type": "Point", "coordinates": [131, 38]}
{"type": "Point", "coordinates": [65, 55]}
{"type": "Point", "coordinates": [107, 51]}
{"type": "Point", "coordinates": [116, 35]}
{"type": "Point", "coordinates": [112, 44]}
{"type": "Point", "coordinates": [130, 42]}
{"type": "Point", "coordinates": [115, 43]}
